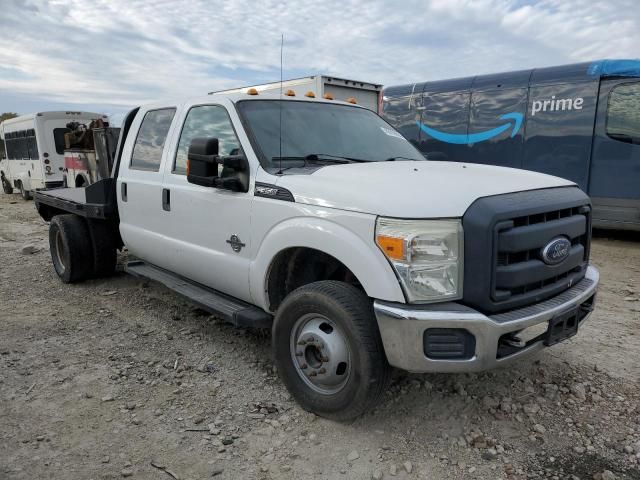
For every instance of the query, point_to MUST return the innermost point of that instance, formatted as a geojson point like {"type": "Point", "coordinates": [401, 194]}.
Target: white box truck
{"type": "Point", "coordinates": [367, 94]}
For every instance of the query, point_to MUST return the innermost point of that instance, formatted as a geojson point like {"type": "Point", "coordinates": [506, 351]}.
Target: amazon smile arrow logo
{"type": "Point", "coordinates": [514, 118]}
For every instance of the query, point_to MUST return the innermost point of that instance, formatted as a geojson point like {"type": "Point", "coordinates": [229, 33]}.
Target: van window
{"type": "Point", "coordinates": [147, 151]}
{"type": "Point", "coordinates": [623, 114]}
{"type": "Point", "coordinates": [201, 122]}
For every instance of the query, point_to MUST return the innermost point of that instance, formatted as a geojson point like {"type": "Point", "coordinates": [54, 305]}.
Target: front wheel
{"type": "Point", "coordinates": [328, 350]}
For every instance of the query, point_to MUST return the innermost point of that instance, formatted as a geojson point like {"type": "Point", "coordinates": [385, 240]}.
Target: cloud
{"type": "Point", "coordinates": [116, 53]}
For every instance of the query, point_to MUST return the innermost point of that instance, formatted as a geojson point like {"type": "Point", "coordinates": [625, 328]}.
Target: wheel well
{"type": "Point", "coordinates": [80, 181]}
{"type": "Point", "coordinates": [294, 267]}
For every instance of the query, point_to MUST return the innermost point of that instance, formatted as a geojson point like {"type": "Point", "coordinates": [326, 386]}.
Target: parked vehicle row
{"type": "Point", "coordinates": [317, 219]}
{"type": "Point", "coordinates": [34, 147]}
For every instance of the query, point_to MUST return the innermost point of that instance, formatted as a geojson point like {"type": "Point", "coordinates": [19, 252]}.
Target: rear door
{"type": "Point", "coordinates": [615, 167]}
{"type": "Point", "coordinates": [139, 185]}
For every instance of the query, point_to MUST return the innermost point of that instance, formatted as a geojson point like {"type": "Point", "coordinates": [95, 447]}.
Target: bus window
{"type": "Point", "coordinates": [58, 139]}
{"type": "Point", "coordinates": [623, 113]}
{"type": "Point", "coordinates": [33, 148]}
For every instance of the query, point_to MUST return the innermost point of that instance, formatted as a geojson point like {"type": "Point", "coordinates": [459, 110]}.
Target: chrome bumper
{"type": "Point", "coordinates": [402, 328]}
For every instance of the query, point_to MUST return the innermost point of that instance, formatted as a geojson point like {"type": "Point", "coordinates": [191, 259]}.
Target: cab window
{"type": "Point", "coordinates": [147, 151]}
{"type": "Point", "coordinates": [206, 121]}
{"type": "Point", "coordinates": [623, 114]}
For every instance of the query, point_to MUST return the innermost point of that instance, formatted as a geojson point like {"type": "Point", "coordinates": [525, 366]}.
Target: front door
{"type": "Point", "coordinates": [614, 184]}
{"type": "Point", "coordinates": [207, 229]}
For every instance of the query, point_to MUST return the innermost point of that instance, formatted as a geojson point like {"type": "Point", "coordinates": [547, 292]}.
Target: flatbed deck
{"type": "Point", "coordinates": [95, 201]}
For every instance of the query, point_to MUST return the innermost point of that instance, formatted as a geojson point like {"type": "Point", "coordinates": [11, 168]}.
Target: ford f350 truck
{"type": "Point", "coordinates": [317, 219]}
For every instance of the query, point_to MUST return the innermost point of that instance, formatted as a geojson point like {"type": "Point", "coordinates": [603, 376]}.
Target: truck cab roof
{"type": "Point", "coordinates": [237, 97]}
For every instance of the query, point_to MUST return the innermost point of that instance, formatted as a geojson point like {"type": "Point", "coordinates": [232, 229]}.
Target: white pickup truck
{"type": "Point", "coordinates": [317, 219]}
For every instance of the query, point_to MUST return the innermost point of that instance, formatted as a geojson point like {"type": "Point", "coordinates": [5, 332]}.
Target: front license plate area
{"type": "Point", "coordinates": [562, 326]}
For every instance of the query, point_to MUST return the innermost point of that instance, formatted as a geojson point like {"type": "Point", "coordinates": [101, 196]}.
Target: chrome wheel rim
{"type": "Point", "coordinates": [320, 353]}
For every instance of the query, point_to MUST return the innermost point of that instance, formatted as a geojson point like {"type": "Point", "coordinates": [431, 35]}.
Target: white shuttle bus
{"type": "Point", "coordinates": [34, 150]}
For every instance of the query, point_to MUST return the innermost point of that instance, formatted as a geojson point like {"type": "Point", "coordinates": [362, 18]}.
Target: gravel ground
{"type": "Point", "coordinates": [118, 378]}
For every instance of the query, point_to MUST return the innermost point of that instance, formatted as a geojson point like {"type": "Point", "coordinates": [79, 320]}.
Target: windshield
{"type": "Point", "coordinates": [315, 131]}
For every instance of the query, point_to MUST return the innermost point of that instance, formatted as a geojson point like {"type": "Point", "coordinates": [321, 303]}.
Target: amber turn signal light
{"type": "Point", "coordinates": [392, 247]}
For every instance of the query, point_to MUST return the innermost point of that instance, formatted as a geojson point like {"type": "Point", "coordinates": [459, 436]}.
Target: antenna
{"type": "Point", "coordinates": [280, 101]}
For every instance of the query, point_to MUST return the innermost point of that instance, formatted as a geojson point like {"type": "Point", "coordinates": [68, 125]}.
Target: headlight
{"type": "Point", "coordinates": [427, 255]}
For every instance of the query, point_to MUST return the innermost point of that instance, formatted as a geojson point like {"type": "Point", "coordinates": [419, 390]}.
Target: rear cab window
{"type": "Point", "coordinates": [623, 113]}
{"type": "Point", "coordinates": [152, 135]}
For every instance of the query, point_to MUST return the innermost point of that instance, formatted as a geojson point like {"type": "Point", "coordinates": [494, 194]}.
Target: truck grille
{"type": "Point", "coordinates": [504, 239]}
{"type": "Point", "coordinates": [520, 269]}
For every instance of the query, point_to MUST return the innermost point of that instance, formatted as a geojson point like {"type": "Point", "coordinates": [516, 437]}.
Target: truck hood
{"type": "Point", "coordinates": [411, 189]}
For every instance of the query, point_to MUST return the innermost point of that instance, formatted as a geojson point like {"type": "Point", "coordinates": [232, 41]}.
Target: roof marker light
{"type": "Point", "coordinates": [290, 93]}
{"type": "Point", "coordinates": [327, 96]}
{"type": "Point", "coordinates": [252, 91]}
{"type": "Point", "coordinates": [310, 94]}
{"type": "Point", "coordinates": [351, 100]}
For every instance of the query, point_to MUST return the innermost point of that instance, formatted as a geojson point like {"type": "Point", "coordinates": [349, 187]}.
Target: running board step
{"type": "Point", "coordinates": [229, 309]}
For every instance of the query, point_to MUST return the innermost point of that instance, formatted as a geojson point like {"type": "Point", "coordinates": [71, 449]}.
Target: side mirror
{"type": "Point", "coordinates": [202, 166]}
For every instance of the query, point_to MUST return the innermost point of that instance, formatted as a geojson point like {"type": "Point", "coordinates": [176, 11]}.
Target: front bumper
{"type": "Point", "coordinates": [403, 327]}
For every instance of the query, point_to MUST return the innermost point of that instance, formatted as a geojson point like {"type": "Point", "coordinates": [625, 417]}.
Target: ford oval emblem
{"type": "Point", "coordinates": [556, 251]}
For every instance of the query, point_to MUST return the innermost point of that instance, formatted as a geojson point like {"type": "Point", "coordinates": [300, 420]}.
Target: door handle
{"type": "Point", "coordinates": [123, 191]}
{"type": "Point", "coordinates": [166, 199]}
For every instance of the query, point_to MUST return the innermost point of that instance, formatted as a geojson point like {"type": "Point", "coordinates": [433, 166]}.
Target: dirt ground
{"type": "Point", "coordinates": [121, 378]}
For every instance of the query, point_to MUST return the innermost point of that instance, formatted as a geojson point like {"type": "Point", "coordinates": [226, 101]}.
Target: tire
{"type": "Point", "coordinates": [331, 314]}
{"type": "Point", "coordinates": [25, 194]}
{"type": "Point", "coordinates": [6, 186]}
{"type": "Point", "coordinates": [103, 243]}
{"type": "Point", "coordinates": [70, 246]}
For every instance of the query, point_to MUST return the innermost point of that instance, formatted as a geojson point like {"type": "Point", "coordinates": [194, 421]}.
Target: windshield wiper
{"type": "Point", "coordinates": [317, 157]}
{"type": "Point", "coordinates": [393, 159]}
{"type": "Point", "coordinates": [324, 157]}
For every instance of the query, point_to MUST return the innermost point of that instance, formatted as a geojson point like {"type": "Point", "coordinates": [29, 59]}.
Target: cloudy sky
{"type": "Point", "coordinates": [107, 55]}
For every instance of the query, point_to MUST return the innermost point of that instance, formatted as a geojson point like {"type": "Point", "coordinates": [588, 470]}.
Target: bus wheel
{"type": "Point", "coordinates": [6, 185]}
{"type": "Point", "coordinates": [25, 194]}
{"type": "Point", "coordinates": [70, 246]}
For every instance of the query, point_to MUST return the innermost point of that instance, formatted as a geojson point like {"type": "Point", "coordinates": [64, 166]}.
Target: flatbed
{"type": "Point", "coordinates": [97, 201]}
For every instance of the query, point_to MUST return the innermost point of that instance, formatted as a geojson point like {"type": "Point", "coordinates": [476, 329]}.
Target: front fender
{"type": "Point", "coordinates": [360, 256]}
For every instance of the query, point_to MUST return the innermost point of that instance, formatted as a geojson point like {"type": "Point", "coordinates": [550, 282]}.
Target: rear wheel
{"type": "Point", "coordinates": [328, 350]}
{"type": "Point", "coordinates": [25, 194]}
{"type": "Point", "coordinates": [70, 246]}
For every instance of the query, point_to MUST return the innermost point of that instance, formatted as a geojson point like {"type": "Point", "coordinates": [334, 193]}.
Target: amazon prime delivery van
{"type": "Point", "coordinates": [580, 122]}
